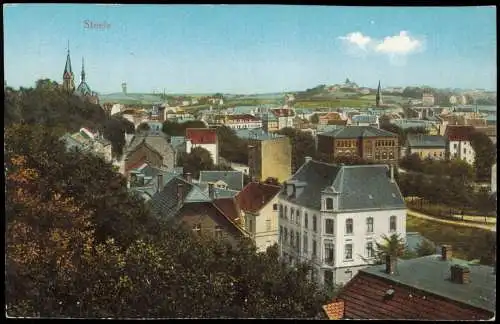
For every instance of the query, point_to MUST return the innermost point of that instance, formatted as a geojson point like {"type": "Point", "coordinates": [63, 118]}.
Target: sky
{"type": "Point", "coordinates": [250, 48]}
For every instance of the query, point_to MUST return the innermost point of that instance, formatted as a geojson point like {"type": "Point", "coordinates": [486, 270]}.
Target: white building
{"type": "Point", "coordinates": [428, 99]}
{"type": "Point", "coordinates": [458, 143]}
{"type": "Point", "coordinates": [285, 117]}
{"type": "Point", "coordinates": [205, 138]}
{"type": "Point", "coordinates": [243, 168]}
{"type": "Point", "coordinates": [333, 215]}
{"type": "Point", "coordinates": [239, 121]}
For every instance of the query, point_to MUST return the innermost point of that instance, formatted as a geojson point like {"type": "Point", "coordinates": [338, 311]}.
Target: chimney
{"type": "Point", "coordinates": [392, 173]}
{"type": "Point", "coordinates": [446, 252]}
{"type": "Point", "coordinates": [180, 194]}
{"type": "Point", "coordinates": [460, 274]}
{"type": "Point", "coordinates": [189, 178]}
{"type": "Point", "coordinates": [211, 191]}
{"type": "Point", "coordinates": [308, 158]}
{"type": "Point", "coordinates": [390, 264]}
{"type": "Point", "coordinates": [159, 185]}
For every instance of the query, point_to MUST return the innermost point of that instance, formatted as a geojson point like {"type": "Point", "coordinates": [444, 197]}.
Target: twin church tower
{"type": "Point", "coordinates": [83, 89]}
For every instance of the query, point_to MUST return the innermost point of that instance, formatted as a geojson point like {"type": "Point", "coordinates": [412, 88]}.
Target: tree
{"type": "Point", "coordinates": [198, 160]}
{"type": "Point", "coordinates": [412, 162]}
{"type": "Point", "coordinates": [179, 129]}
{"type": "Point", "coordinates": [114, 130]}
{"type": "Point", "coordinates": [302, 145]}
{"type": "Point", "coordinates": [232, 148]}
{"type": "Point", "coordinates": [393, 245]}
{"type": "Point", "coordinates": [425, 247]}
{"type": "Point", "coordinates": [460, 170]}
{"type": "Point", "coordinates": [350, 160]}
{"type": "Point", "coordinates": [143, 127]}
{"type": "Point", "coordinates": [314, 119]}
{"type": "Point", "coordinates": [485, 154]}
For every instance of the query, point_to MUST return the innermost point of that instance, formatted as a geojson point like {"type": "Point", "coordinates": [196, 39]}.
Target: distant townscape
{"type": "Point", "coordinates": [336, 202]}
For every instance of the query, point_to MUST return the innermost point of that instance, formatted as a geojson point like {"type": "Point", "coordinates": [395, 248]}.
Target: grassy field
{"type": "Point", "coordinates": [468, 243]}
{"type": "Point", "coordinates": [358, 103]}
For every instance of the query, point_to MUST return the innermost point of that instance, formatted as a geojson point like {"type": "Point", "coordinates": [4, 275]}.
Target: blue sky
{"type": "Point", "coordinates": [251, 48]}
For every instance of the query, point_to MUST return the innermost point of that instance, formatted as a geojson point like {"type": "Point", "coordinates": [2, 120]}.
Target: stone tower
{"type": "Point", "coordinates": [378, 97]}
{"type": "Point", "coordinates": [68, 76]}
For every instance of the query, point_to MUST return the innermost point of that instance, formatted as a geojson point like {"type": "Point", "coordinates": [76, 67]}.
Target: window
{"type": "Point", "coordinates": [392, 224]}
{"type": "Point", "coordinates": [384, 155]}
{"type": "Point", "coordinates": [314, 249]}
{"type": "Point", "coordinates": [329, 252]}
{"type": "Point", "coordinates": [281, 211]}
{"type": "Point", "coordinates": [281, 234]}
{"type": "Point", "coordinates": [328, 278]}
{"type": "Point", "coordinates": [369, 250]}
{"type": "Point", "coordinates": [297, 217]}
{"type": "Point", "coordinates": [391, 155]}
{"type": "Point", "coordinates": [275, 207]}
{"type": "Point", "coordinates": [329, 203]}
{"type": "Point", "coordinates": [292, 213]}
{"type": "Point", "coordinates": [455, 146]}
{"type": "Point", "coordinates": [315, 223]}
{"type": "Point", "coordinates": [369, 225]}
{"type": "Point", "coordinates": [348, 252]}
{"type": "Point", "coordinates": [305, 243]}
{"type": "Point", "coordinates": [218, 231]}
{"type": "Point", "coordinates": [286, 212]}
{"type": "Point", "coordinates": [377, 155]}
{"type": "Point", "coordinates": [268, 225]}
{"type": "Point", "coordinates": [197, 228]}
{"type": "Point", "coordinates": [349, 226]}
{"type": "Point", "coordinates": [292, 238]}
{"type": "Point", "coordinates": [297, 241]}
{"type": "Point", "coordinates": [250, 225]}
{"type": "Point", "coordinates": [306, 220]}
{"type": "Point", "coordinates": [285, 235]}
{"type": "Point", "coordinates": [329, 226]}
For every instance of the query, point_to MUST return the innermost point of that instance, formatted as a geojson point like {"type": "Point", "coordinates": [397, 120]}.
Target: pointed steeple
{"type": "Point", "coordinates": [378, 97]}
{"type": "Point", "coordinates": [83, 71]}
{"type": "Point", "coordinates": [68, 77]}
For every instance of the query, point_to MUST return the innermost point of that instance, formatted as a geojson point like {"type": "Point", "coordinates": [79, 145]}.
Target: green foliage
{"type": "Point", "coordinates": [179, 129]}
{"type": "Point", "coordinates": [143, 127]}
{"type": "Point", "coordinates": [80, 246]}
{"type": "Point", "coordinates": [114, 130]}
{"type": "Point", "coordinates": [198, 160]}
{"type": "Point", "coordinates": [314, 119]}
{"type": "Point", "coordinates": [232, 148]}
{"type": "Point", "coordinates": [393, 245]}
{"type": "Point", "coordinates": [426, 247]}
{"type": "Point", "coordinates": [302, 145]}
{"type": "Point", "coordinates": [485, 155]}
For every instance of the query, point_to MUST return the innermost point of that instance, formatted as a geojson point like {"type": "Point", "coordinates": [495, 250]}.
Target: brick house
{"type": "Point", "coordinates": [366, 142]}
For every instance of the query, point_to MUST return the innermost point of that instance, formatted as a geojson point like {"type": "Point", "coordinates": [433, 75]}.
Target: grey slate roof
{"type": "Point", "coordinates": [256, 134]}
{"type": "Point", "coordinates": [359, 131]}
{"type": "Point", "coordinates": [365, 119]}
{"type": "Point", "coordinates": [219, 193]}
{"type": "Point", "coordinates": [360, 186]}
{"type": "Point", "coordinates": [177, 141]}
{"type": "Point", "coordinates": [414, 239]}
{"type": "Point", "coordinates": [431, 274]}
{"type": "Point", "coordinates": [233, 179]}
{"type": "Point", "coordinates": [157, 141]}
{"type": "Point", "coordinates": [420, 140]}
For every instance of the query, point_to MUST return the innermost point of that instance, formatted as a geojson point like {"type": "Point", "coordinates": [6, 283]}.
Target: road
{"type": "Point", "coordinates": [487, 227]}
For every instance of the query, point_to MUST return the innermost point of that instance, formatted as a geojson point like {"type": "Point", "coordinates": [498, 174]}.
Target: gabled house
{"type": "Point", "coordinates": [436, 287]}
{"type": "Point", "coordinates": [151, 147]}
{"type": "Point", "coordinates": [205, 138]}
{"type": "Point", "coordinates": [426, 146]}
{"type": "Point", "coordinates": [333, 215]}
{"type": "Point", "coordinates": [232, 180]}
{"type": "Point", "coordinates": [365, 120]}
{"type": "Point", "coordinates": [180, 200]}
{"type": "Point", "coordinates": [88, 141]}
{"type": "Point", "coordinates": [285, 117]}
{"type": "Point", "coordinates": [458, 140]}
{"type": "Point", "coordinates": [259, 204]}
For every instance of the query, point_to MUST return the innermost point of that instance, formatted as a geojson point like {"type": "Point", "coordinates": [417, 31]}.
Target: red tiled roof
{"type": "Point", "coordinates": [135, 165]}
{"type": "Point", "coordinates": [331, 115]}
{"type": "Point", "coordinates": [256, 195]}
{"type": "Point", "coordinates": [228, 207]}
{"type": "Point", "coordinates": [335, 310]}
{"type": "Point", "coordinates": [459, 133]}
{"type": "Point", "coordinates": [364, 299]}
{"type": "Point", "coordinates": [202, 135]}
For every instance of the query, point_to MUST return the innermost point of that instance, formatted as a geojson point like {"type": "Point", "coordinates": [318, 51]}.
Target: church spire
{"type": "Point", "coordinates": [378, 97]}
{"type": "Point", "coordinates": [68, 77]}
{"type": "Point", "coordinates": [83, 72]}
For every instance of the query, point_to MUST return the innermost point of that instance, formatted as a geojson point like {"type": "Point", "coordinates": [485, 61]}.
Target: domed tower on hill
{"type": "Point", "coordinates": [68, 77]}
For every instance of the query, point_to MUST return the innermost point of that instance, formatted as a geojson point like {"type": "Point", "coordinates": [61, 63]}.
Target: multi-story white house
{"type": "Point", "coordinates": [333, 215]}
{"type": "Point", "coordinates": [239, 121]}
{"type": "Point", "coordinates": [285, 117]}
{"type": "Point", "coordinates": [459, 144]}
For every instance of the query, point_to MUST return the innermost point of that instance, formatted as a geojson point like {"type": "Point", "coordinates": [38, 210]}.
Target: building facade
{"type": "Point", "coordinates": [333, 216]}
{"type": "Point", "coordinates": [239, 121]}
{"type": "Point", "coordinates": [426, 146]}
{"type": "Point", "coordinates": [269, 156]}
{"type": "Point", "coordinates": [368, 143]}
{"type": "Point", "coordinates": [459, 144]}
{"type": "Point", "coordinates": [205, 138]}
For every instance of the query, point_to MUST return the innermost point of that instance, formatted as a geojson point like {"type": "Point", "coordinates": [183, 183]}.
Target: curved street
{"type": "Point", "coordinates": [488, 227]}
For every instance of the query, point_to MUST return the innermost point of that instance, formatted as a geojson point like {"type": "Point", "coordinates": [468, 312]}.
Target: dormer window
{"type": "Point", "coordinates": [329, 203]}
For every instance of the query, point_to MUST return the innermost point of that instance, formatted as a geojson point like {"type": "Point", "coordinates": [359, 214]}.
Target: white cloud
{"type": "Point", "coordinates": [401, 44]}
{"type": "Point", "coordinates": [357, 39]}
